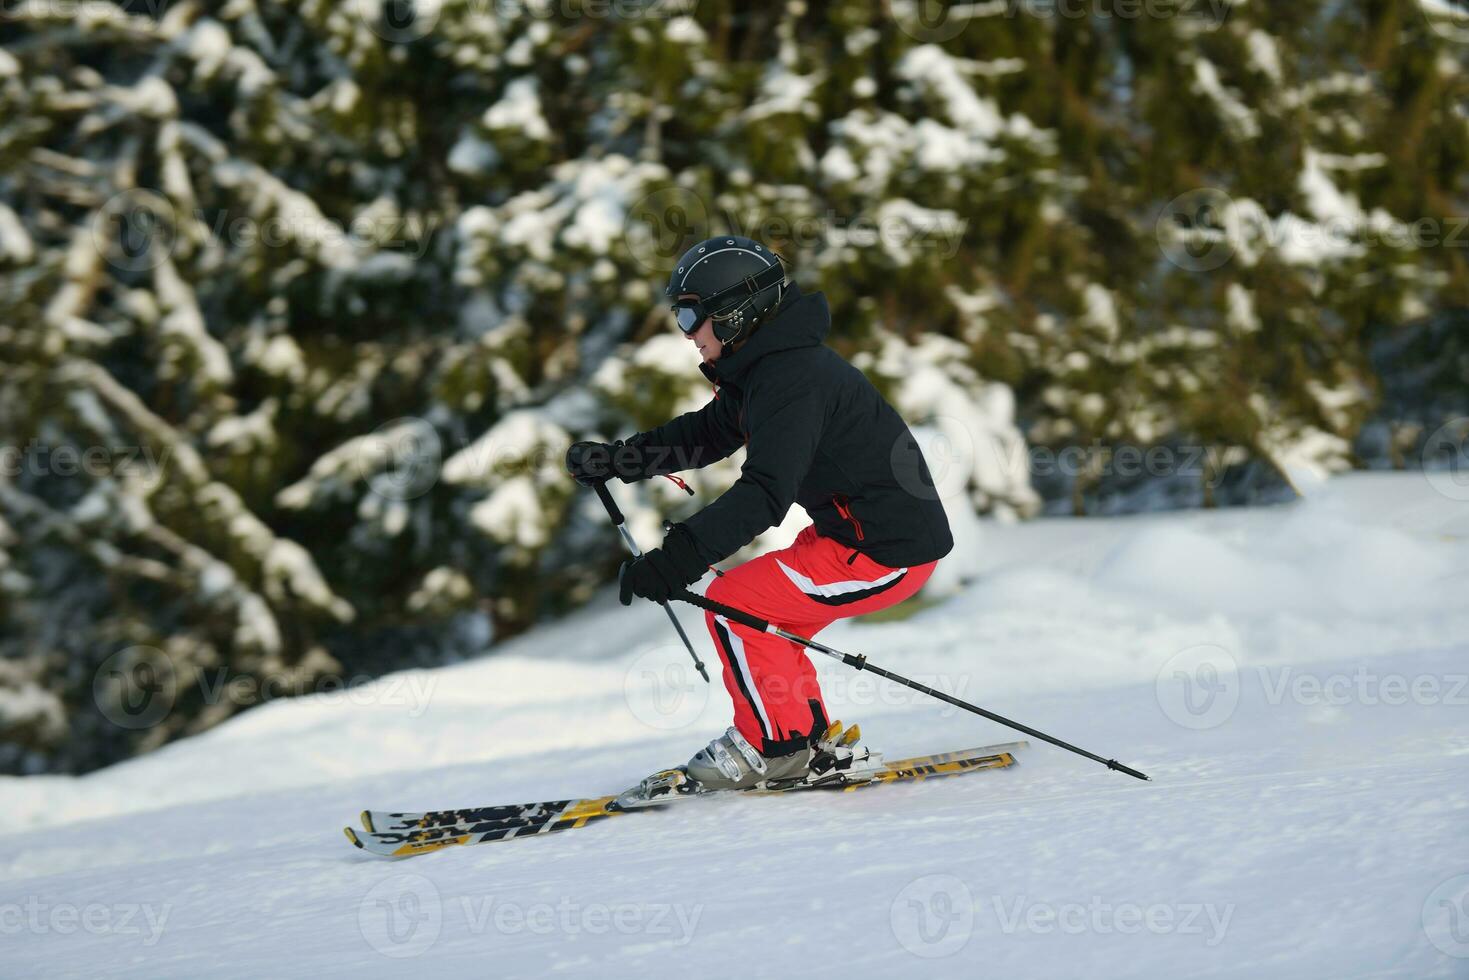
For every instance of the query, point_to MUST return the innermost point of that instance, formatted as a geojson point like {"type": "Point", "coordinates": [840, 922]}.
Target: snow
{"type": "Point", "coordinates": [947, 76]}
{"type": "Point", "coordinates": [783, 92]}
{"type": "Point", "coordinates": [685, 31]}
{"type": "Point", "coordinates": [1240, 309]}
{"type": "Point", "coordinates": [15, 243]}
{"type": "Point", "coordinates": [1264, 54]}
{"type": "Point", "coordinates": [1236, 114]}
{"type": "Point", "coordinates": [1325, 200]}
{"type": "Point", "coordinates": [183, 327]}
{"type": "Point", "coordinates": [1293, 679]}
{"type": "Point", "coordinates": [519, 109]}
{"type": "Point", "coordinates": [513, 514]}
{"type": "Point", "coordinates": [208, 43]}
{"type": "Point", "coordinates": [966, 429]}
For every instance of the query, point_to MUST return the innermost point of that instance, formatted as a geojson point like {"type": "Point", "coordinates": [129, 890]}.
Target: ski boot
{"type": "Point", "coordinates": [731, 762]}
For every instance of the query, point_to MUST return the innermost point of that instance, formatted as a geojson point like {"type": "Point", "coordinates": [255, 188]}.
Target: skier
{"type": "Point", "coordinates": [816, 433]}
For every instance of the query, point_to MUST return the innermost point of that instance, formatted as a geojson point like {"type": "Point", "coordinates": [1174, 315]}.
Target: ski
{"type": "Point", "coordinates": [404, 834]}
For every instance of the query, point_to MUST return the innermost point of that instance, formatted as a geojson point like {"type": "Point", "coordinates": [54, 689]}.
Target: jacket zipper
{"type": "Point", "coordinates": [843, 505]}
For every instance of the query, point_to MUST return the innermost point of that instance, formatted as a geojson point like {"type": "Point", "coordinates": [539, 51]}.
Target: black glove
{"type": "Point", "coordinates": [589, 462]}
{"type": "Point", "coordinates": [593, 462]}
{"type": "Point", "coordinates": [661, 573]}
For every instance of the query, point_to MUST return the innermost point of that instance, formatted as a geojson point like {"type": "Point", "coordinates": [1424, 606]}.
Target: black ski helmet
{"type": "Point", "coordinates": [738, 281]}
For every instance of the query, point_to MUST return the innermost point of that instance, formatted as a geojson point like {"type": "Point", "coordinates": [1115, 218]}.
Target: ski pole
{"type": "Point", "coordinates": [860, 663]}
{"type": "Point", "coordinates": [620, 522]}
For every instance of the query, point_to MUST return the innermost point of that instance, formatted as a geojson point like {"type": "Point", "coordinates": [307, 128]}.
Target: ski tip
{"type": "Point", "coordinates": [367, 822]}
{"type": "Point", "coordinates": [352, 836]}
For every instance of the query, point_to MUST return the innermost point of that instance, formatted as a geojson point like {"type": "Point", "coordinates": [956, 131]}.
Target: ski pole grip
{"type": "Point", "coordinates": [728, 612]}
{"type": "Point", "coordinates": [606, 497]}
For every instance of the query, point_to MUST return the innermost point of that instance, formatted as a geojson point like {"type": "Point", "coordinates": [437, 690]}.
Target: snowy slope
{"type": "Point", "coordinates": [1294, 679]}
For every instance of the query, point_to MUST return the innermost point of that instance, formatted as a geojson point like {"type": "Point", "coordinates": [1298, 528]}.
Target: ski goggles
{"type": "Point", "coordinates": [689, 313]}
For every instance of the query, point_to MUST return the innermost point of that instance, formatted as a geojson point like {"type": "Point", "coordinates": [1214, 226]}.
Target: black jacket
{"type": "Point", "coordinates": [818, 434]}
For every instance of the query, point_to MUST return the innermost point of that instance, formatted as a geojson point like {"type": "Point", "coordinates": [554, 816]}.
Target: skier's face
{"type": "Point", "coordinates": [703, 337]}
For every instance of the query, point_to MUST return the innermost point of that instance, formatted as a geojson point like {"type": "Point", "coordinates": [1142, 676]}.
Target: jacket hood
{"type": "Point", "coordinates": [802, 320]}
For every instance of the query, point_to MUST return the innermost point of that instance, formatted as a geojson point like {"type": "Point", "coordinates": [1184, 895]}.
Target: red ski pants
{"type": "Point", "coordinates": [802, 589]}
